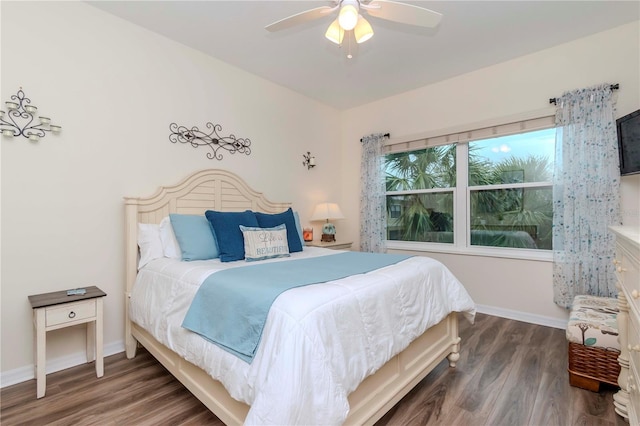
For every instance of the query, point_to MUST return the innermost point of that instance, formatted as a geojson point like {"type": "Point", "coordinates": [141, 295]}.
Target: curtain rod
{"type": "Point", "coordinates": [612, 87]}
{"type": "Point", "coordinates": [386, 135]}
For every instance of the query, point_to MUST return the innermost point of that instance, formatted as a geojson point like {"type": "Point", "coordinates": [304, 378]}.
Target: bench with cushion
{"type": "Point", "coordinates": [592, 333]}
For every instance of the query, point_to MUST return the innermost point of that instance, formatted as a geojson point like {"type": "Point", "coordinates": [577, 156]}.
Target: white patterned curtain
{"type": "Point", "coordinates": [586, 199]}
{"type": "Point", "coordinates": [373, 211]}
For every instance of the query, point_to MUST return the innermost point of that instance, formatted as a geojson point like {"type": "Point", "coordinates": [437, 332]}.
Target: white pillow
{"type": "Point", "coordinates": [265, 243]}
{"type": "Point", "coordinates": [149, 243]}
{"type": "Point", "coordinates": [170, 246]}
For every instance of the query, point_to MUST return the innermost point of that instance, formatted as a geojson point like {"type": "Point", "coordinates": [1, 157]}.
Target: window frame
{"type": "Point", "coordinates": [462, 191]}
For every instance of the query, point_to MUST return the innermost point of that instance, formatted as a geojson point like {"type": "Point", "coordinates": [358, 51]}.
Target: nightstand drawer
{"type": "Point", "coordinates": [70, 312]}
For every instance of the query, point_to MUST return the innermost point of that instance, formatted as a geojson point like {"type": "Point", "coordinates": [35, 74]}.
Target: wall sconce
{"type": "Point", "coordinates": [309, 161]}
{"type": "Point", "coordinates": [19, 120]}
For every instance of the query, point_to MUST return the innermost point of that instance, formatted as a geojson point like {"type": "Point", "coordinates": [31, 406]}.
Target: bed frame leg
{"type": "Point", "coordinates": [454, 356]}
{"type": "Point", "coordinates": [131, 344]}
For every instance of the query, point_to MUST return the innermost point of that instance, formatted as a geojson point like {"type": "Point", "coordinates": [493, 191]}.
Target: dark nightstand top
{"type": "Point", "coordinates": [58, 297]}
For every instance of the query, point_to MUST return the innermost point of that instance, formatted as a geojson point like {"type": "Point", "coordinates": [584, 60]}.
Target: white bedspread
{"type": "Point", "coordinates": [319, 342]}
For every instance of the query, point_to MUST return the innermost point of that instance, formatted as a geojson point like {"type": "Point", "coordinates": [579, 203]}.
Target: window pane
{"type": "Point", "coordinates": [525, 157]}
{"type": "Point", "coordinates": [422, 169]}
{"type": "Point", "coordinates": [519, 217]}
{"type": "Point", "coordinates": [420, 217]}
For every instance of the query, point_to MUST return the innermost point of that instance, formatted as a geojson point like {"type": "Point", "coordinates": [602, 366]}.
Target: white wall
{"type": "Point", "coordinates": [115, 88]}
{"type": "Point", "coordinates": [517, 88]}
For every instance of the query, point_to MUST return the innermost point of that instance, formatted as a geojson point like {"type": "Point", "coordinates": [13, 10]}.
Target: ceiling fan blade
{"type": "Point", "coordinates": [299, 18]}
{"type": "Point", "coordinates": [404, 13]}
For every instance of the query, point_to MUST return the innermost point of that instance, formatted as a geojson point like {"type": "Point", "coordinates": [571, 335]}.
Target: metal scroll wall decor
{"type": "Point", "coordinates": [212, 139]}
{"type": "Point", "coordinates": [21, 119]}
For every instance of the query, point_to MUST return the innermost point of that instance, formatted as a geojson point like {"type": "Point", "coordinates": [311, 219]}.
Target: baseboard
{"type": "Point", "coordinates": [22, 374]}
{"type": "Point", "coordinates": [523, 316]}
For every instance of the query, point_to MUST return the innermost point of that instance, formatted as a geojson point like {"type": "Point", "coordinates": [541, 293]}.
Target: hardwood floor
{"type": "Point", "coordinates": [509, 373]}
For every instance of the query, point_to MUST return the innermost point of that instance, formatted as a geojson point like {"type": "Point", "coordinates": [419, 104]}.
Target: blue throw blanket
{"type": "Point", "coordinates": [230, 308]}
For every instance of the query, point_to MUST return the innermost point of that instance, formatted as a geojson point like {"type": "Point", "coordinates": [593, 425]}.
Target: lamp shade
{"type": "Point", "coordinates": [327, 211]}
{"type": "Point", "coordinates": [335, 33]}
{"type": "Point", "coordinates": [348, 16]}
{"type": "Point", "coordinates": [363, 30]}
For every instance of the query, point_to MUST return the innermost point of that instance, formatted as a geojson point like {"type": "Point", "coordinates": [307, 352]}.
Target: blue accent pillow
{"type": "Point", "coordinates": [266, 220]}
{"type": "Point", "coordinates": [226, 226]}
{"type": "Point", "coordinates": [298, 227]}
{"type": "Point", "coordinates": [195, 237]}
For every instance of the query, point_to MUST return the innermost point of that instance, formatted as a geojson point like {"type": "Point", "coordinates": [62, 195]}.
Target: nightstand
{"type": "Point", "coordinates": [333, 245]}
{"type": "Point", "coordinates": [57, 310]}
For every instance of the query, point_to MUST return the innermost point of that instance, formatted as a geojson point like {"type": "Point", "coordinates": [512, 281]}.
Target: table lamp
{"type": "Point", "coordinates": [327, 211]}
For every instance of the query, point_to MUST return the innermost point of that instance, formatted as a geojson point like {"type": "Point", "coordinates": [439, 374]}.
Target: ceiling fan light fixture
{"type": "Point", "coordinates": [363, 30]}
{"type": "Point", "coordinates": [348, 16]}
{"type": "Point", "coordinates": [335, 33]}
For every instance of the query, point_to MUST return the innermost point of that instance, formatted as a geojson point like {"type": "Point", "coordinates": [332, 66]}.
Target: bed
{"type": "Point", "coordinates": [367, 397]}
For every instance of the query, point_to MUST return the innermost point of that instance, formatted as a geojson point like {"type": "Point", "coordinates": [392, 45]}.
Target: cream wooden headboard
{"type": "Point", "coordinates": [204, 190]}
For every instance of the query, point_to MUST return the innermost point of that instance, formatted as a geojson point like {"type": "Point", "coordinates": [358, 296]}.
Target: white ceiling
{"type": "Point", "coordinates": [472, 35]}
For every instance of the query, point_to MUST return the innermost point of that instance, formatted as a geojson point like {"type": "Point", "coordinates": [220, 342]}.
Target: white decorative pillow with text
{"type": "Point", "coordinates": [265, 243]}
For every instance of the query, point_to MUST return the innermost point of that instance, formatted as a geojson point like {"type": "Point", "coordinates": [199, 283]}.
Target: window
{"type": "Point", "coordinates": [395, 210]}
{"type": "Point", "coordinates": [510, 183]}
{"type": "Point", "coordinates": [419, 186]}
{"type": "Point", "coordinates": [480, 192]}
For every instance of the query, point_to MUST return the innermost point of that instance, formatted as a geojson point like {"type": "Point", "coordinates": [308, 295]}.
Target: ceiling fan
{"type": "Point", "coordinates": [350, 17]}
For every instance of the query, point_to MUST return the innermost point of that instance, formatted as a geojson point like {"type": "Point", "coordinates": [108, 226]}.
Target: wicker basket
{"type": "Point", "coordinates": [590, 366]}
